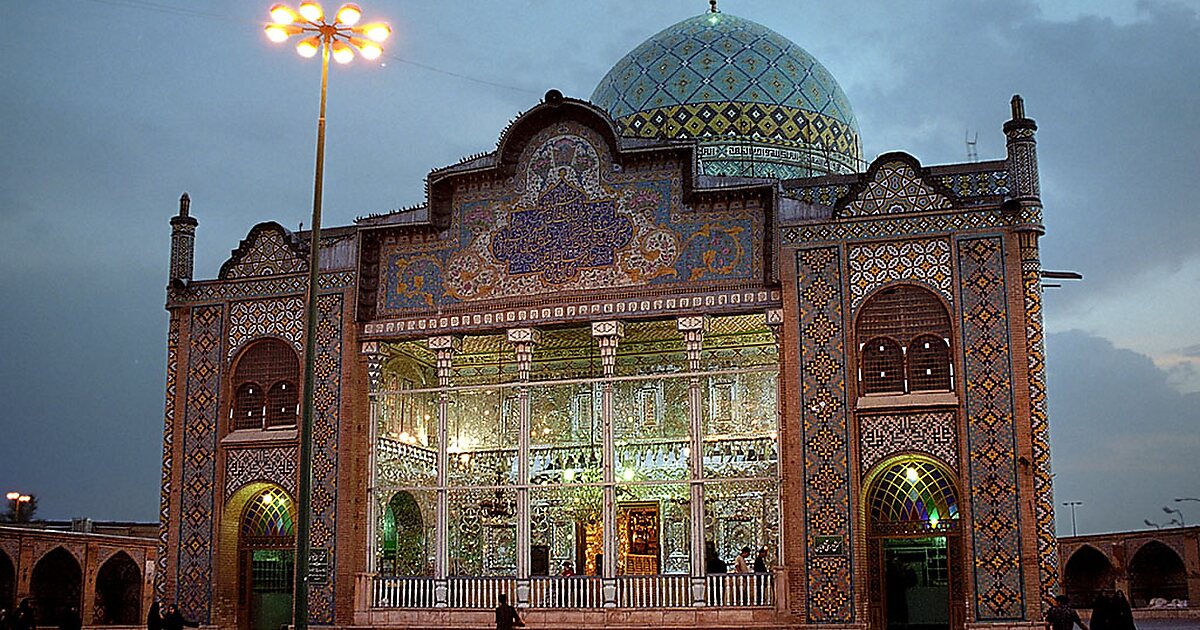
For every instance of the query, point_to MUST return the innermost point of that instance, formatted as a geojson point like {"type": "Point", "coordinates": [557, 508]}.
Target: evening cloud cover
{"type": "Point", "coordinates": [112, 109]}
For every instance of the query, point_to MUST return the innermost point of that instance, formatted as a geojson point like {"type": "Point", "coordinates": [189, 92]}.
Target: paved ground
{"type": "Point", "coordinates": [1168, 624]}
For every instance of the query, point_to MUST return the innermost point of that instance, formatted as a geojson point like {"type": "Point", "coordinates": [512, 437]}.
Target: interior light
{"type": "Point", "coordinates": [268, 498]}
{"type": "Point", "coordinates": [349, 14]}
{"type": "Point", "coordinates": [312, 11]}
{"type": "Point", "coordinates": [628, 474]}
{"type": "Point", "coordinates": [569, 475]}
{"type": "Point", "coordinates": [308, 47]}
{"type": "Point", "coordinates": [933, 522]}
{"type": "Point", "coordinates": [912, 475]}
{"type": "Point", "coordinates": [282, 14]}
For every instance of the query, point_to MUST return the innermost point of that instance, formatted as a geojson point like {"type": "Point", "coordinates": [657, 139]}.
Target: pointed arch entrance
{"type": "Point", "coordinates": [56, 586]}
{"type": "Point", "coordinates": [915, 545]}
{"type": "Point", "coordinates": [405, 543]}
{"type": "Point", "coordinates": [257, 559]}
{"type": "Point", "coordinates": [1087, 574]}
{"type": "Point", "coordinates": [118, 592]}
{"type": "Point", "coordinates": [1156, 572]}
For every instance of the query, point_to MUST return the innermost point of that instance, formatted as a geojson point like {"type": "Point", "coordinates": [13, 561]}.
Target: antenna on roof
{"type": "Point", "coordinates": [972, 147]}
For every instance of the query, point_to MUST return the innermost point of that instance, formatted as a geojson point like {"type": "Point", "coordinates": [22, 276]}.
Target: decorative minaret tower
{"type": "Point", "coordinates": [1025, 198]}
{"type": "Point", "coordinates": [183, 242]}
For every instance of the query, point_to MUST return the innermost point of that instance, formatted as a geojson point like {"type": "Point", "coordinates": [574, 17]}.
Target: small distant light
{"type": "Point", "coordinates": [933, 522]}
{"type": "Point", "coordinates": [268, 498]}
{"type": "Point", "coordinates": [569, 475]}
{"type": "Point", "coordinates": [628, 474]}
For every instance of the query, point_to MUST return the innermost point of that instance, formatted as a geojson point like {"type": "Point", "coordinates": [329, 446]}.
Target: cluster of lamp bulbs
{"type": "Point", "coordinates": [342, 34]}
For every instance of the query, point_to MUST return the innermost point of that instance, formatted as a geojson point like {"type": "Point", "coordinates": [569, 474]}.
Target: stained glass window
{"type": "Point", "coordinates": [913, 495]}
{"type": "Point", "coordinates": [269, 515]}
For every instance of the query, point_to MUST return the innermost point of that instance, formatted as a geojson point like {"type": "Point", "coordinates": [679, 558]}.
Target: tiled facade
{"type": "Point", "coordinates": [579, 219]}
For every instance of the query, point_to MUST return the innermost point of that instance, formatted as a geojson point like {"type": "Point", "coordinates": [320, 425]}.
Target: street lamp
{"type": "Point", "coordinates": [338, 38]}
{"type": "Point", "coordinates": [1073, 505]}
{"type": "Point", "coordinates": [1179, 512]}
{"type": "Point", "coordinates": [1181, 499]}
{"type": "Point", "coordinates": [17, 498]}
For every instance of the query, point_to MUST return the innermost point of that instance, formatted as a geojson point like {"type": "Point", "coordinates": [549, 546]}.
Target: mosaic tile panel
{"type": "Point", "coordinates": [978, 184]}
{"type": "Point", "coordinates": [991, 434]}
{"type": "Point", "coordinates": [932, 433]}
{"type": "Point", "coordinates": [830, 591]}
{"type": "Point", "coordinates": [254, 318]}
{"type": "Point", "coordinates": [895, 187]}
{"type": "Point", "coordinates": [269, 249]}
{"type": "Point", "coordinates": [164, 504]}
{"type": "Point", "coordinates": [569, 223]}
{"type": "Point", "coordinates": [827, 195]}
{"type": "Point", "coordinates": [194, 583]}
{"type": "Point", "coordinates": [247, 465]}
{"type": "Point", "coordinates": [261, 288]}
{"type": "Point", "coordinates": [907, 226]}
{"type": "Point", "coordinates": [874, 265]}
{"type": "Point", "coordinates": [327, 402]}
{"type": "Point", "coordinates": [1043, 486]}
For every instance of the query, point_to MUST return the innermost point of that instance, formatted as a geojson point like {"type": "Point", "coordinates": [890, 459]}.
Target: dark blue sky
{"type": "Point", "coordinates": [112, 108]}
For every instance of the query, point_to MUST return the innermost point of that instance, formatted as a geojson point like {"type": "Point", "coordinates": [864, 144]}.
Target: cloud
{"type": "Point", "coordinates": [1123, 439]}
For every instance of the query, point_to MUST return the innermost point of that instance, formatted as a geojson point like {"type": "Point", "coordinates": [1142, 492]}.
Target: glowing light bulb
{"type": "Point", "coordinates": [312, 11]}
{"type": "Point", "coordinates": [378, 32]}
{"type": "Point", "coordinates": [282, 14]}
{"type": "Point", "coordinates": [912, 475]}
{"type": "Point", "coordinates": [342, 52]}
{"type": "Point", "coordinates": [308, 47]}
{"type": "Point", "coordinates": [349, 14]}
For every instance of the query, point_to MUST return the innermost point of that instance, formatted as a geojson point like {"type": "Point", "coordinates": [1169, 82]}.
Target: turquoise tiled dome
{"type": "Point", "coordinates": [759, 104]}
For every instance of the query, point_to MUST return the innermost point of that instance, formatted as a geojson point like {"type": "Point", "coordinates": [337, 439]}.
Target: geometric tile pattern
{"type": "Point", "coordinates": [164, 505]}
{"type": "Point", "coordinates": [932, 433]}
{"type": "Point", "coordinates": [991, 434]}
{"type": "Point", "coordinates": [1043, 488]}
{"type": "Point", "coordinates": [825, 436]}
{"type": "Point", "coordinates": [825, 195]}
{"type": "Point", "coordinates": [874, 265]}
{"type": "Point", "coordinates": [194, 590]}
{"type": "Point", "coordinates": [528, 238]}
{"type": "Point", "coordinates": [977, 184]}
{"type": "Point", "coordinates": [268, 249]}
{"type": "Point", "coordinates": [894, 187]}
{"type": "Point", "coordinates": [716, 74]}
{"type": "Point", "coordinates": [326, 422]}
{"type": "Point", "coordinates": [205, 291]}
{"type": "Point", "coordinates": [281, 318]}
{"type": "Point", "coordinates": [275, 465]}
{"type": "Point", "coordinates": [905, 226]}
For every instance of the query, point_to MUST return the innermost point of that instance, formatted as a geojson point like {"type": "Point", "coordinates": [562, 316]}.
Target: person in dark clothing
{"type": "Point", "coordinates": [174, 620]}
{"type": "Point", "coordinates": [1122, 614]}
{"type": "Point", "coordinates": [714, 565]}
{"type": "Point", "coordinates": [506, 616]}
{"type": "Point", "coordinates": [1061, 616]}
{"type": "Point", "coordinates": [70, 620]}
{"type": "Point", "coordinates": [1102, 612]}
{"type": "Point", "coordinates": [154, 618]}
{"type": "Point", "coordinates": [23, 618]}
{"type": "Point", "coordinates": [760, 560]}
{"type": "Point", "coordinates": [900, 578]}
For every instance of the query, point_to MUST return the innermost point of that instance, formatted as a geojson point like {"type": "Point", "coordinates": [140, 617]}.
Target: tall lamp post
{"type": "Point", "coordinates": [17, 498]}
{"type": "Point", "coordinates": [1178, 512]}
{"type": "Point", "coordinates": [339, 38]}
{"type": "Point", "coordinates": [1073, 505]}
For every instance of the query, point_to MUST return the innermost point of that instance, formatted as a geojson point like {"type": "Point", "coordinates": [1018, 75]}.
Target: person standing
{"type": "Point", "coordinates": [174, 620]}
{"type": "Point", "coordinates": [760, 561]}
{"type": "Point", "coordinates": [154, 617]}
{"type": "Point", "coordinates": [1121, 612]}
{"type": "Point", "coordinates": [506, 616]}
{"type": "Point", "coordinates": [1061, 616]}
{"type": "Point", "coordinates": [741, 563]}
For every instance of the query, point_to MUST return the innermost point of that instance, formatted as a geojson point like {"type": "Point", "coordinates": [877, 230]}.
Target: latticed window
{"type": "Point", "coordinates": [905, 329]}
{"type": "Point", "coordinates": [269, 520]}
{"type": "Point", "coordinates": [911, 496]}
{"type": "Point", "coordinates": [265, 392]}
{"type": "Point", "coordinates": [882, 367]}
{"type": "Point", "coordinates": [929, 364]}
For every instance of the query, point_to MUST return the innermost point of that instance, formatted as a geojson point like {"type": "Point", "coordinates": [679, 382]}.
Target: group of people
{"type": "Point", "coordinates": [741, 563]}
{"type": "Point", "coordinates": [171, 619]}
{"type": "Point", "coordinates": [1110, 611]}
{"type": "Point", "coordinates": [26, 618]}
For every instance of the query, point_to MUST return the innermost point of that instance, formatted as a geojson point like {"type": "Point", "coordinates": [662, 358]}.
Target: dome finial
{"type": "Point", "coordinates": [712, 6]}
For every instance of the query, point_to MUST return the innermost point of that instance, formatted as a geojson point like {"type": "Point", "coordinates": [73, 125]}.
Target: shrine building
{"type": "Point", "coordinates": [653, 327]}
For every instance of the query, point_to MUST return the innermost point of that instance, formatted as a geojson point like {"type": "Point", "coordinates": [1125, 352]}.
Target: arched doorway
{"type": "Point", "coordinates": [55, 586]}
{"type": "Point", "coordinates": [118, 592]}
{"type": "Point", "coordinates": [1087, 574]}
{"type": "Point", "coordinates": [1156, 572]}
{"type": "Point", "coordinates": [8, 582]}
{"type": "Point", "coordinates": [266, 559]}
{"type": "Point", "coordinates": [914, 545]}
{"type": "Point", "coordinates": [405, 548]}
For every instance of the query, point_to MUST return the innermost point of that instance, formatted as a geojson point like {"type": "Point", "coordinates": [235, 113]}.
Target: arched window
{"type": "Point", "coordinates": [264, 385]}
{"type": "Point", "coordinates": [912, 495]}
{"type": "Point", "coordinates": [282, 403]}
{"type": "Point", "coordinates": [929, 364]}
{"type": "Point", "coordinates": [269, 520]}
{"type": "Point", "coordinates": [903, 332]}
{"type": "Point", "coordinates": [882, 367]}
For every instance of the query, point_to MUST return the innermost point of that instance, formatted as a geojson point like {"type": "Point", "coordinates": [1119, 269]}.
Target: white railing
{"type": "Point", "coordinates": [741, 589]}
{"type": "Point", "coordinates": [481, 592]}
{"type": "Point", "coordinates": [654, 591]}
{"type": "Point", "coordinates": [565, 592]}
{"type": "Point", "coordinates": [403, 592]}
